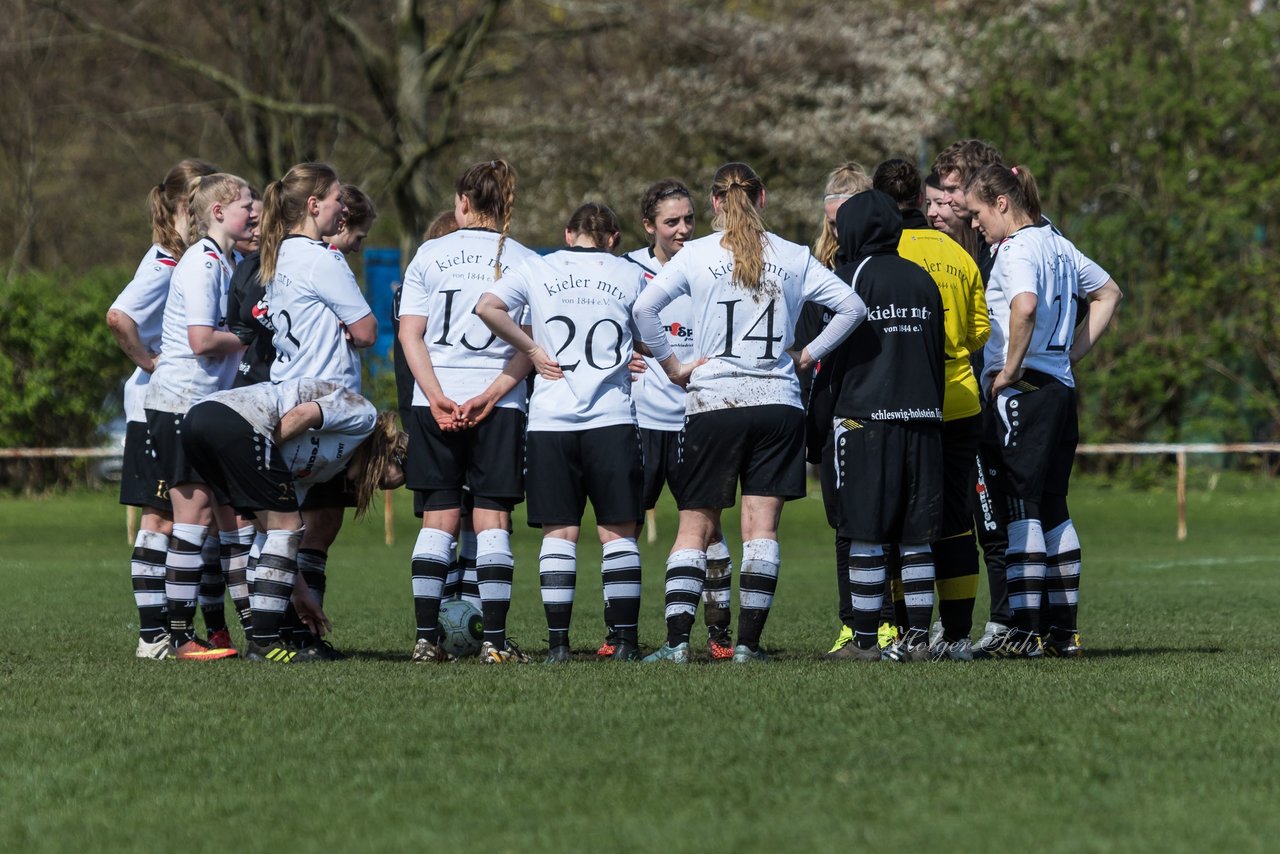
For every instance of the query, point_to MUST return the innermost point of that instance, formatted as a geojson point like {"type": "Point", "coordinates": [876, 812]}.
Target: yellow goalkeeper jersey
{"type": "Point", "coordinates": [963, 302]}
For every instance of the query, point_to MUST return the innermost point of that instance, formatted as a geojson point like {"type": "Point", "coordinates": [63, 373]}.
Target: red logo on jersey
{"type": "Point", "coordinates": [680, 331]}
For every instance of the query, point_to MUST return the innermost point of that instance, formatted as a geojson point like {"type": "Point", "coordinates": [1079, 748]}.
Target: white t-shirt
{"type": "Point", "coordinates": [312, 295]}
{"type": "Point", "coordinates": [142, 301]}
{"type": "Point", "coordinates": [197, 297]}
{"type": "Point", "coordinates": [580, 305]}
{"type": "Point", "coordinates": [660, 402]}
{"type": "Point", "coordinates": [443, 283]}
{"type": "Point", "coordinates": [319, 454]}
{"type": "Point", "coordinates": [744, 335]}
{"type": "Point", "coordinates": [1040, 261]}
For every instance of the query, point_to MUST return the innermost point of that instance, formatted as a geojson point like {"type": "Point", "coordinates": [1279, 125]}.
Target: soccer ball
{"type": "Point", "coordinates": [461, 628]}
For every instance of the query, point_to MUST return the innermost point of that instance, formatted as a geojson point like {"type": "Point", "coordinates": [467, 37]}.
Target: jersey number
{"type": "Point", "coordinates": [286, 328]}
{"type": "Point", "coordinates": [443, 340]}
{"type": "Point", "coordinates": [589, 343]}
{"type": "Point", "coordinates": [766, 317]}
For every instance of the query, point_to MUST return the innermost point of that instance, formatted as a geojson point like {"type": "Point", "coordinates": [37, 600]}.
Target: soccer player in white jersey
{"type": "Point", "coordinates": [468, 414]}
{"type": "Point", "coordinates": [666, 212]}
{"type": "Point", "coordinates": [320, 317]}
{"type": "Point", "coordinates": [198, 356]}
{"type": "Point", "coordinates": [135, 319]}
{"type": "Point", "coordinates": [1030, 430]}
{"type": "Point", "coordinates": [745, 420]}
{"type": "Point", "coordinates": [582, 441]}
{"type": "Point", "coordinates": [320, 322]}
{"type": "Point", "coordinates": [260, 448]}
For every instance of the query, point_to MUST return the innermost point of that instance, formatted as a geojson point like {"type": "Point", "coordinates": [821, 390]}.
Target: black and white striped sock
{"type": "Point", "coordinates": [469, 586]}
{"type": "Point", "coordinates": [312, 564]}
{"type": "Point", "coordinates": [432, 554]}
{"type": "Point", "coordinates": [213, 585]}
{"type": "Point", "coordinates": [1062, 580]}
{"type": "Point", "coordinates": [557, 575]}
{"type": "Point", "coordinates": [686, 573]}
{"type": "Point", "coordinates": [495, 567]}
{"type": "Point", "coordinates": [867, 573]}
{"type": "Point", "coordinates": [147, 569]}
{"type": "Point", "coordinates": [917, 589]}
{"type": "Point", "coordinates": [1024, 573]}
{"type": "Point", "coordinates": [182, 569]}
{"type": "Point", "coordinates": [235, 547]}
{"type": "Point", "coordinates": [620, 574]}
{"type": "Point", "coordinates": [718, 587]}
{"type": "Point", "coordinates": [273, 583]}
{"type": "Point", "coordinates": [757, 583]}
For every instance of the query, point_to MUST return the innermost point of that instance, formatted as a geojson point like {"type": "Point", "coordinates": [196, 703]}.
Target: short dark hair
{"type": "Point", "coordinates": [899, 180]}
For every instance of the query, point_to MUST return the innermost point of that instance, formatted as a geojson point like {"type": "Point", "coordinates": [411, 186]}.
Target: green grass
{"type": "Point", "coordinates": [1165, 737]}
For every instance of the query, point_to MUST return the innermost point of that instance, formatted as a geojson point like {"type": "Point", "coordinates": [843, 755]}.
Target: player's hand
{"type": "Point", "coordinates": [1003, 380]}
{"type": "Point", "coordinates": [310, 612]}
{"type": "Point", "coordinates": [684, 370]}
{"type": "Point", "coordinates": [547, 367]}
{"type": "Point", "coordinates": [445, 412]}
{"type": "Point", "coordinates": [802, 359]}
{"type": "Point", "coordinates": [475, 410]}
{"type": "Point", "coordinates": [637, 366]}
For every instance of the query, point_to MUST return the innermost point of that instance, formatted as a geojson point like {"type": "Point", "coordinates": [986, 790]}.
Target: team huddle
{"type": "Point", "coordinates": [921, 355]}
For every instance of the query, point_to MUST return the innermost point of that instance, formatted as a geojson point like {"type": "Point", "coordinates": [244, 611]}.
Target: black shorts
{"type": "Point", "coordinates": [488, 460]}
{"type": "Point", "coordinates": [565, 469]}
{"type": "Point", "coordinates": [139, 483]}
{"type": "Point", "coordinates": [761, 446]}
{"type": "Point", "coordinates": [889, 480]}
{"type": "Point", "coordinates": [1029, 439]}
{"type": "Point", "coordinates": [171, 464]}
{"type": "Point", "coordinates": [659, 449]}
{"type": "Point", "coordinates": [959, 473]}
{"type": "Point", "coordinates": [337, 491]}
{"type": "Point", "coordinates": [236, 461]}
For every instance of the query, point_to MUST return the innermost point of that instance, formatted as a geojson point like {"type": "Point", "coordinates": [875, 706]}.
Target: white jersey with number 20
{"type": "Point", "coordinates": [580, 301]}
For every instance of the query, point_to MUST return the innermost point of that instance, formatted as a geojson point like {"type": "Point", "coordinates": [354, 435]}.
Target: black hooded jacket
{"type": "Point", "coordinates": [891, 367]}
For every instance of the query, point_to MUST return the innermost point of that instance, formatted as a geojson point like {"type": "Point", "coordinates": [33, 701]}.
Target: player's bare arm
{"type": "Point", "coordinates": [495, 314]}
{"type": "Point", "coordinates": [1102, 307]}
{"type": "Point", "coordinates": [125, 330]}
{"type": "Point", "coordinates": [413, 329]}
{"type": "Point", "coordinates": [1022, 322]}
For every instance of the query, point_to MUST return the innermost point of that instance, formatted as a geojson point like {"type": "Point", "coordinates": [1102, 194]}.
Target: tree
{"type": "Point", "coordinates": [293, 81]}
{"type": "Point", "coordinates": [1150, 128]}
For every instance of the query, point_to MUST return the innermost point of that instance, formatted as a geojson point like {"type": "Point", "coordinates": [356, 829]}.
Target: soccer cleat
{"type": "Point", "coordinates": [279, 652]}
{"type": "Point", "coordinates": [221, 639]}
{"type": "Point", "coordinates": [626, 651]}
{"type": "Point", "coordinates": [197, 649]}
{"type": "Point", "coordinates": [1015, 644]}
{"type": "Point", "coordinates": [608, 648]}
{"type": "Point", "coordinates": [935, 633]}
{"type": "Point", "coordinates": [887, 635]}
{"type": "Point", "coordinates": [156, 650]}
{"type": "Point", "coordinates": [907, 652]}
{"type": "Point", "coordinates": [719, 644]}
{"type": "Point", "coordinates": [558, 655]}
{"type": "Point", "coordinates": [324, 649]}
{"type": "Point", "coordinates": [852, 652]}
{"type": "Point", "coordinates": [992, 636]}
{"type": "Point", "coordinates": [509, 654]}
{"type": "Point", "coordinates": [678, 654]}
{"type": "Point", "coordinates": [842, 640]}
{"type": "Point", "coordinates": [743, 654]}
{"type": "Point", "coordinates": [945, 650]}
{"type": "Point", "coordinates": [425, 650]}
{"type": "Point", "coordinates": [1060, 648]}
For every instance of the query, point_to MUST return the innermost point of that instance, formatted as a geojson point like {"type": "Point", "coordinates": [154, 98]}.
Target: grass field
{"type": "Point", "coordinates": [1165, 737]}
